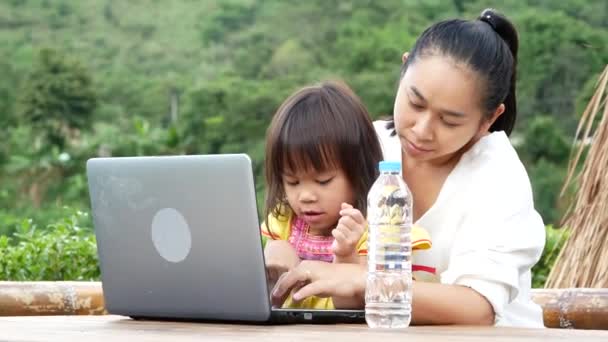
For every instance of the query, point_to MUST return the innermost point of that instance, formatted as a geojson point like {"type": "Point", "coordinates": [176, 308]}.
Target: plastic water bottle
{"type": "Point", "coordinates": [388, 294]}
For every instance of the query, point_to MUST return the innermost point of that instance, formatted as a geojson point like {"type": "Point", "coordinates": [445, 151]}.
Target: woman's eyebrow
{"type": "Point", "coordinates": [452, 113]}
{"type": "Point", "coordinates": [419, 95]}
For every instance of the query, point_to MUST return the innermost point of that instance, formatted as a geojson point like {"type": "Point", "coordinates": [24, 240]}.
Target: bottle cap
{"type": "Point", "coordinates": [390, 166]}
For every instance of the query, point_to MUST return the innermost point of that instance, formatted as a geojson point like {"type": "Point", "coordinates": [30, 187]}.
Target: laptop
{"type": "Point", "coordinates": [178, 238]}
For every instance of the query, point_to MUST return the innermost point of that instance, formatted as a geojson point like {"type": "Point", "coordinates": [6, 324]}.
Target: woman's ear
{"type": "Point", "coordinates": [404, 57]}
{"type": "Point", "coordinates": [485, 126]}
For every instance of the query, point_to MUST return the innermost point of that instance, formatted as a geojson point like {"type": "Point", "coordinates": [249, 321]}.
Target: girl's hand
{"type": "Point", "coordinates": [347, 234]}
{"type": "Point", "coordinates": [280, 257]}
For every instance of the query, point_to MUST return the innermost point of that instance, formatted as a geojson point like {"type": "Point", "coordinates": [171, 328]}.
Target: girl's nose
{"type": "Point", "coordinates": [307, 196]}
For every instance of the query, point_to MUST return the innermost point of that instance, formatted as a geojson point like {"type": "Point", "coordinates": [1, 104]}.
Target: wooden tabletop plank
{"type": "Point", "coordinates": [117, 328]}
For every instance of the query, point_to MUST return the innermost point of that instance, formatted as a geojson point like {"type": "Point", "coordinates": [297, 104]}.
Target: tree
{"type": "Point", "coordinates": [9, 78]}
{"type": "Point", "coordinates": [544, 139]}
{"type": "Point", "coordinates": [58, 97]}
{"type": "Point", "coordinates": [56, 102]}
{"type": "Point", "coordinates": [558, 53]}
{"type": "Point", "coordinates": [545, 151]}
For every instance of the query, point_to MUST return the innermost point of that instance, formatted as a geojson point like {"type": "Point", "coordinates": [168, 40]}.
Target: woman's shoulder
{"type": "Point", "coordinates": [495, 167]}
{"type": "Point", "coordinates": [495, 196]}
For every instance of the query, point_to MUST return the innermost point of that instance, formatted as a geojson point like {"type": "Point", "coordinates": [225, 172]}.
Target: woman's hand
{"type": "Point", "coordinates": [345, 283]}
{"type": "Point", "coordinates": [347, 234]}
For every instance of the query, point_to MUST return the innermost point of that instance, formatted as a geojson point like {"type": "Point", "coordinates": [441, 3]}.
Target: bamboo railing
{"type": "Point", "coordinates": [562, 308]}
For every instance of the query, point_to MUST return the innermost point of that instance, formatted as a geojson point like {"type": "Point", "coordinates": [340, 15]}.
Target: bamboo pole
{"type": "Point", "coordinates": [562, 308]}
{"type": "Point", "coordinates": [51, 298]}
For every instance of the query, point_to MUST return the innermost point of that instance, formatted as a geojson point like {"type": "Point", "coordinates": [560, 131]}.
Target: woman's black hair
{"type": "Point", "coordinates": [488, 45]}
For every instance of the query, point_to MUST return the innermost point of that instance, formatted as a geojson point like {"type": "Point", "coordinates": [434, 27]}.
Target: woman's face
{"type": "Point", "coordinates": [438, 109]}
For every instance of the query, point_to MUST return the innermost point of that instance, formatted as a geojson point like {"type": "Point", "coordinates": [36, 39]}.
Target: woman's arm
{"type": "Point", "coordinates": [345, 283]}
{"type": "Point", "coordinates": [435, 303]}
{"type": "Point", "coordinates": [432, 303]}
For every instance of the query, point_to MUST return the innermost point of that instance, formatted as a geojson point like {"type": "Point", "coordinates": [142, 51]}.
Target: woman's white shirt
{"type": "Point", "coordinates": [485, 231]}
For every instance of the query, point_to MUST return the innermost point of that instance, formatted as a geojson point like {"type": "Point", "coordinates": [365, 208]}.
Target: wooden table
{"type": "Point", "coordinates": [116, 328]}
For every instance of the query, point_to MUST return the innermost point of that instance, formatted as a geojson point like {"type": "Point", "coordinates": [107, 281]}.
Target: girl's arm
{"type": "Point", "coordinates": [281, 253]}
{"type": "Point", "coordinates": [280, 257]}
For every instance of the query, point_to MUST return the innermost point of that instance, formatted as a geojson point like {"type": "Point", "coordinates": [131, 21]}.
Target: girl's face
{"type": "Point", "coordinates": [317, 197]}
{"type": "Point", "coordinates": [438, 110]}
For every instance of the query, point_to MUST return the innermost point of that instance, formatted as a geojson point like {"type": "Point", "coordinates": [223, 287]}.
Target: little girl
{"type": "Point", "coordinates": [322, 154]}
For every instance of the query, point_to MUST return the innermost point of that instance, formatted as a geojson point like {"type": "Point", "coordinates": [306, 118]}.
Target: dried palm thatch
{"type": "Point", "coordinates": [583, 260]}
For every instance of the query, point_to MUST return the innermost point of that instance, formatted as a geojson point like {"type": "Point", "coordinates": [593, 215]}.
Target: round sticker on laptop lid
{"type": "Point", "coordinates": [171, 235]}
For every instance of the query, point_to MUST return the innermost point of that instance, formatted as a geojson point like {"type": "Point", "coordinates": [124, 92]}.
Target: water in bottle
{"type": "Point", "coordinates": [388, 294]}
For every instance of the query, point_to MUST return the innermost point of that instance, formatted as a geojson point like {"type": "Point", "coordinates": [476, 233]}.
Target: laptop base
{"type": "Point", "coordinates": [281, 316]}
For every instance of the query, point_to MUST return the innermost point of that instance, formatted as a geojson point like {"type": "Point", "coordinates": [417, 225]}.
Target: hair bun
{"type": "Point", "coordinates": [502, 26]}
{"type": "Point", "coordinates": [488, 16]}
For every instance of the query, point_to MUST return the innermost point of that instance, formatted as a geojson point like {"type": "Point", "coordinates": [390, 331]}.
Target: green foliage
{"type": "Point", "coordinates": [57, 97]}
{"type": "Point", "coordinates": [233, 16]}
{"type": "Point", "coordinates": [555, 240]}
{"type": "Point", "coordinates": [545, 150]}
{"type": "Point", "coordinates": [206, 77]}
{"type": "Point", "coordinates": [557, 68]}
{"type": "Point", "coordinates": [544, 139]}
{"type": "Point", "coordinates": [7, 93]}
{"type": "Point", "coordinates": [64, 250]}
{"type": "Point", "coordinates": [8, 221]}
{"type": "Point", "coordinates": [549, 178]}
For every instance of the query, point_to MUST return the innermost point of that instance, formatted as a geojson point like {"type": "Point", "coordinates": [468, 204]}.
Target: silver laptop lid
{"type": "Point", "coordinates": [179, 236]}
